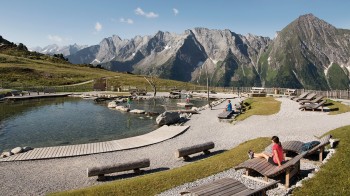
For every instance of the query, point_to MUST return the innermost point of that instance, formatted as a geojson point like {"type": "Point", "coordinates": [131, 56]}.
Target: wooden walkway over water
{"type": "Point", "coordinates": [163, 133]}
{"type": "Point", "coordinates": [24, 97]}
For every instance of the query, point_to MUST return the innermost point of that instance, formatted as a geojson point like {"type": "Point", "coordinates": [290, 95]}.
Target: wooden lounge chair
{"type": "Point", "coordinates": [225, 114]}
{"type": "Point", "coordinates": [268, 170]}
{"type": "Point", "coordinates": [308, 97]}
{"type": "Point", "coordinates": [312, 107]}
{"type": "Point", "coordinates": [300, 96]}
{"type": "Point", "coordinates": [228, 186]}
{"type": "Point", "coordinates": [314, 101]}
{"type": "Point", "coordinates": [296, 147]}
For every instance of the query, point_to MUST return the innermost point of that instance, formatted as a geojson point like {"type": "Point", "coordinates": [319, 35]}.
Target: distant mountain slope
{"type": "Point", "coordinates": [184, 57]}
{"type": "Point", "coordinates": [55, 49]}
{"type": "Point", "coordinates": [304, 55]}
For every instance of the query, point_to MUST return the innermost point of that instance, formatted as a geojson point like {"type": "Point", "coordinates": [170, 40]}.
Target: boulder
{"type": "Point", "coordinates": [122, 108]}
{"type": "Point", "coordinates": [6, 154]}
{"type": "Point", "coordinates": [137, 111]}
{"type": "Point", "coordinates": [168, 118]}
{"type": "Point", "coordinates": [27, 148]}
{"type": "Point", "coordinates": [17, 150]}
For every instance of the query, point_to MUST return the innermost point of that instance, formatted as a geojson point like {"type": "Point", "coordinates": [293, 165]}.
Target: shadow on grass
{"type": "Point", "coordinates": [333, 109]}
{"type": "Point", "coordinates": [203, 156]}
{"type": "Point", "coordinates": [328, 104]}
{"type": "Point", "coordinates": [132, 174]}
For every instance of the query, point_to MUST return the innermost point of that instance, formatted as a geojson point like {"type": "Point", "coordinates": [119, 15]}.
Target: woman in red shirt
{"type": "Point", "coordinates": [277, 156]}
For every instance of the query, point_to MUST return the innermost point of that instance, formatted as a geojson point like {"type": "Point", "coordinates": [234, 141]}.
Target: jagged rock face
{"type": "Point", "coordinates": [308, 53]}
{"type": "Point", "coordinates": [303, 52]}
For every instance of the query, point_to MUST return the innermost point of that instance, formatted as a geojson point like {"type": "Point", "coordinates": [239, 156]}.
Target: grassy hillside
{"type": "Point", "coordinates": [21, 68]}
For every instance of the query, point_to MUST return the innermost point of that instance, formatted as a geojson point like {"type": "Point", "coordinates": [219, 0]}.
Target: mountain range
{"type": "Point", "coordinates": [55, 49]}
{"type": "Point", "coordinates": [308, 53]}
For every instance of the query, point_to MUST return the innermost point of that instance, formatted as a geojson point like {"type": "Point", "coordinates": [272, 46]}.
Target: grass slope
{"type": "Point", "coordinates": [260, 106]}
{"type": "Point", "coordinates": [156, 183]}
{"type": "Point", "coordinates": [336, 107]}
{"type": "Point", "coordinates": [17, 71]}
{"type": "Point", "coordinates": [334, 177]}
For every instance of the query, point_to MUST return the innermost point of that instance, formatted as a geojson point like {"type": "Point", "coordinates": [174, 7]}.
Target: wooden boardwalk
{"type": "Point", "coordinates": [17, 98]}
{"type": "Point", "coordinates": [163, 133]}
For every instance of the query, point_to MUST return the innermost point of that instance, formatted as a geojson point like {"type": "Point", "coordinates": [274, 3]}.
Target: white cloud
{"type": "Point", "coordinates": [128, 20]}
{"type": "Point", "coordinates": [98, 26]}
{"type": "Point", "coordinates": [55, 38]}
{"type": "Point", "coordinates": [140, 12]}
{"type": "Point", "coordinates": [176, 11]}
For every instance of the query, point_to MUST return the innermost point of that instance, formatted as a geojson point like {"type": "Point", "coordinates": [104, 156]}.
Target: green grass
{"type": "Point", "coordinates": [22, 72]}
{"type": "Point", "coordinates": [334, 177]}
{"type": "Point", "coordinates": [152, 184]}
{"type": "Point", "coordinates": [260, 106]}
{"type": "Point", "coordinates": [337, 107]}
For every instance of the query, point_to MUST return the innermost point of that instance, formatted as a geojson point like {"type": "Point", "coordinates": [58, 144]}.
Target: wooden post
{"type": "Point", "coordinates": [321, 154]}
{"type": "Point", "coordinates": [287, 177]}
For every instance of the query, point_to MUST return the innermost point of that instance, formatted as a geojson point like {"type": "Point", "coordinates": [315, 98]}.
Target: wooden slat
{"type": "Point", "coordinates": [75, 148]}
{"type": "Point", "coordinates": [65, 150]}
{"type": "Point", "coordinates": [81, 149]}
{"type": "Point", "coordinates": [43, 153]}
{"type": "Point", "coordinates": [19, 156]}
{"type": "Point", "coordinates": [34, 154]}
{"type": "Point", "coordinates": [27, 154]}
{"type": "Point", "coordinates": [231, 188]}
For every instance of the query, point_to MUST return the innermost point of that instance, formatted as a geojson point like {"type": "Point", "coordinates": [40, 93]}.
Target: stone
{"type": "Point", "coordinates": [17, 150]}
{"type": "Point", "coordinates": [27, 148]}
{"type": "Point", "coordinates": [122, 108]}
{"type": "Point", "coordinates": [168, 118]}
{"type": "Point", "coordinates": [299, 184]}
{"type": "Point", "coordinates": [6, 154]}
{"type": "Point", "coordinates": [137, 111]}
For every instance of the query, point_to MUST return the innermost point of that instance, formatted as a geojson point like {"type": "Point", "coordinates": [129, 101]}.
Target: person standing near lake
{"type": "Point", "coordinates": [128, 102]}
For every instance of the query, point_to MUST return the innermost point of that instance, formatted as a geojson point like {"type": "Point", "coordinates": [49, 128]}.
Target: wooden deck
{"type": "Point", "coordinates": [17, 98]}
{"type": "Point", "coordinates": [163, 133]}
{"type": "Point", "coordinates": [228, 187]}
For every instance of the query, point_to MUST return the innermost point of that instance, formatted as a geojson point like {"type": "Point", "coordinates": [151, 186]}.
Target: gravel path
{"type": "Point", "coordinates": [44, 176]}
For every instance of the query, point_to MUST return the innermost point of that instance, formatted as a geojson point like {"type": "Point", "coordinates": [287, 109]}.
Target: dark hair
{"type": "Point", "coordinates": [276, 140]}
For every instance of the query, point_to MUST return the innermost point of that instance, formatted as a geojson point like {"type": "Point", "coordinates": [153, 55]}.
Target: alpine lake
{"type": "Point", "coordinates": [71, 120]}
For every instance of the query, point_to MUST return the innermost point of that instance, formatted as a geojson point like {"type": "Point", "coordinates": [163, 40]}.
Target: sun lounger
{"type": "Point", "coordinates": [225, 114]}
{"type": "Point", "coordinates": [297, 147]}
{"type": "Point", "coordinates": [300, 96]}
{"type": "Point", "coordinates": [312, 107]}
{"type": "Point", "coordinates": [308, 97]}
{"type": "Point", "coordinates": [228, 186]}
{"type": "Point", "coordinates": [268, 170]}
{"type": "Point", "coordinates": [314, 101]}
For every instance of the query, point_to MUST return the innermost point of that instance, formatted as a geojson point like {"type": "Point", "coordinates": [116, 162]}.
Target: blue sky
{"type": "Point", "coordinates": [44, 22]}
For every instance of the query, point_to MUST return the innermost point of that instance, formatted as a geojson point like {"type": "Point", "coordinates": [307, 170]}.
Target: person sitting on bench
{"type": "Point", "coordinates": [229, 106]}
{"type": "Point", "coordinates": [277, 156]}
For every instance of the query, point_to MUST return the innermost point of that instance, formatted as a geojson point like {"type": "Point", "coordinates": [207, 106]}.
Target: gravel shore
{"type": "Point", "coordinates": [44, 176]}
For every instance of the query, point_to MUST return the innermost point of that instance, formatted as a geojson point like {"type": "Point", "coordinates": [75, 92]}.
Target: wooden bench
{"type": "Point", "coordinates": [290, 92]}
{"type": "Point", "coordinates": [184, 152]}
{"type": "Point", "coordinates": [257, 92]}
{"type": "Point", "coordinates": [107, 169]}
{"type": "Point", "coordinates": [49, 90]}
{"type": "Point", "coordinates": [296, 147]}
{"type": "Point", "coordinates": [228, 186]}
{"type": "Point", "coordinates": [268, 170]}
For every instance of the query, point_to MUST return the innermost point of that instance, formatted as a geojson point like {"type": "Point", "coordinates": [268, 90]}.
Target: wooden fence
{"type": "Point", "coordinates": [336, 94]}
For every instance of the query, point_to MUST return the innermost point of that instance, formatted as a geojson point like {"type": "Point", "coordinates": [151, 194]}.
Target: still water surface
{"type": "Point", "coordinates": [66, 121]}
